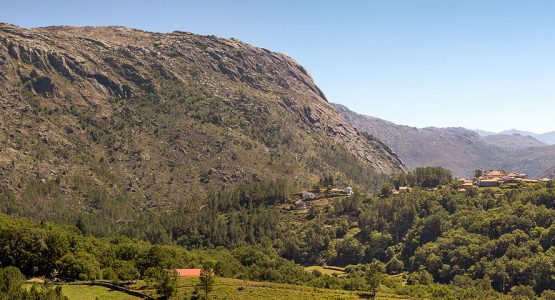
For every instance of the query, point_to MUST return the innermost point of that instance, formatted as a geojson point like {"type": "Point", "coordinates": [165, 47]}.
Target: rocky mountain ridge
{"type": "Point", "coordinates": [92, 114]}
{"type": "Point", "coordinates": [546, 138]}
{"type": "Point", "coordinates": [513, 141]}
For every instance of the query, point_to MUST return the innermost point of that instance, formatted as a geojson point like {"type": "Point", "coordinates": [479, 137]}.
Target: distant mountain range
{"type": "Point", "coordinates": [513, 141]}
{"type": "Point", "coordinates": [458, 149]}
{"type": "Point", "coordinates": [547, 138]}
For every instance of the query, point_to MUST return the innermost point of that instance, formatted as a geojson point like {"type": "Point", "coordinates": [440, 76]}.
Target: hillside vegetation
{"type": "Point", "coordinates": [110, 122]}
{"type": "Point", "coordinates": [431, 243]}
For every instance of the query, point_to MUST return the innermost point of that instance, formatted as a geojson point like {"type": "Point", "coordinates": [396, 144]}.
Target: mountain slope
{"type": "Point", "coordinates": [513, 141]}
{"type": "Point", "coordinates": [549, 173]}
{"type": "Point", "coordinates": [96, 118]}
{"type": "Point", "coordinates": [547, 138]}
{"type": "Point", "coordinates": [457, 149]}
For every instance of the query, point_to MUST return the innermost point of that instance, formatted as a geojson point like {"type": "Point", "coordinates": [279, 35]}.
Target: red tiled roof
{"type": "Point", "coordinates": [187, 272]}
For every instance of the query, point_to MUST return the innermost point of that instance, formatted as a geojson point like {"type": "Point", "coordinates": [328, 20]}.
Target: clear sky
{"type": "Point", "coordinates": [477, 64]}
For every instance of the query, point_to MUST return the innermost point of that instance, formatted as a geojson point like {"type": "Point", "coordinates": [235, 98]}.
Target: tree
{"type": "Point", "coordinates": [349, 251]}
{"type": "Point", "coordinates": [125, 271]}
{"type": "Point", "coordinates": [374, 276]}
{"type": "Point", "coordinates": [478, 173]}
{"type": "Point", "coordinates": [430, 177]}
{"type": "Point", "coordinates": [11, 281]}
{"type": "Point", "coordinates": [394, 266]}
{"type": "Point", "coordinates": [167, 285]}
{"type": "Point", "coordinates": [164, 281]}
{"type": "Point", "coordinates": [385, 190]}
{"type": "Point", "coordinates": [420, 277]}
{"type": "Point", "coordinates": [206, 279]}
{"type": "Point", "coordinates": [548, 295]}
{"type": "Point", "coordinates": [79, 266]}
{"type": "Point", "coordinates": [522, 292]}
{"type": "Point", "coordinates": [43, 292]}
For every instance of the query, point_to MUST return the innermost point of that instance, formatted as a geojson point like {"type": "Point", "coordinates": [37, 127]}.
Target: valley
{"type": "Point", "coordinates": [461, 150]}
{"type": "Point", "coordinates": [183, 166]}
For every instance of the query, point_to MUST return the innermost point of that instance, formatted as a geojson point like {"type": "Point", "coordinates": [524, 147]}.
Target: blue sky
{"type": "Point", "coordinates": [476, 64]}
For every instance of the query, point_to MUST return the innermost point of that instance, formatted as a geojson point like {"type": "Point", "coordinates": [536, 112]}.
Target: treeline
{"type": "Point", "coordinates": [62, 252]}
{"type": "Point", "coordinates": [230, 217]}
{"type": "Point", "coordinates": [499, 241]}
{"type": "Point", "coordinates": [12, 288]}
{"type": "Point", "coordinates": [425, 177]}
{"type": "Point", "coordinates": [487, 241]}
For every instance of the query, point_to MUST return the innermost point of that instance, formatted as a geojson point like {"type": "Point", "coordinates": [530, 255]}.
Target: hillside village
{"type": "Point", "coordinates": [489, 179]}
{"type": "Point", "coordinates": [496, 178]}
{"type": "Point", "coordinates": [492, 178]}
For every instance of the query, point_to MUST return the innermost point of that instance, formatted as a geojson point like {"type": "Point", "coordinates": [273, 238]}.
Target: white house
{"type": "Point", "coordinates": [308, 195]}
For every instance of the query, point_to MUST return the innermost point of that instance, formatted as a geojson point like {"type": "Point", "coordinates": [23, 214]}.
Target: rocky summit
{"type": "Point", "coordinates": [90, 113]}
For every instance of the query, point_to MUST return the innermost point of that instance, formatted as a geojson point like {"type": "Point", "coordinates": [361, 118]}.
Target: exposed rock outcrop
{"type": "Point", "coordinates": [157, 114]}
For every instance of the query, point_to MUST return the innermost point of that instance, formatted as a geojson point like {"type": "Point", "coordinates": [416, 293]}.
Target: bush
{"type": "Point", "coordinates": [125, 271]}
{"type": "Point", "coordinates": [79, 266]}
{"type": "Point", "coordinates": [522, 292]}
{"type": "Point", "coordinates": [421, 277]}
{"type": "Point", "coordinates": [394, 266]}
{"type": "Point", "coordinates": [548, 295]}
{"type": "Point", "coordinates": [349, 251]}
{"type": "Point", "coordinates": [11, 280]}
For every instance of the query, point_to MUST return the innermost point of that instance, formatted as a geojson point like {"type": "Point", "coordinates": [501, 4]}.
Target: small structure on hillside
{"type": "Point", "coordinates": [405, 189]}
{"type": "Point", "coordinates": [300, 205]}
{"type": "Point", "coordinates": [494, 174]}
{"type": "Point", "coordinates": [349, 191]}
{"type": "Point", "coordinates": [489, 182]}
{"type": "Point", "coordinates": [188, 272]}
{"type": "Point", "coordinates": [308, 195]}
{"type": "Point", "coordinates": [518, 175]}
{"type": "Point", "coordinates": [467, 185]}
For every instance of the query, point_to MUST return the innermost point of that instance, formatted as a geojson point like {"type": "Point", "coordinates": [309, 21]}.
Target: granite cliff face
{"type": "Point", "coordinates": [93, 112]}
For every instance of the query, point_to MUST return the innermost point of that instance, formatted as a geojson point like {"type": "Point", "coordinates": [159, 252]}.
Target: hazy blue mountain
{"type": "Point", "coordinates": [513, 141]}
{"type": "Point", "coordinates": [548, 138]}
{"type": "Point", "coordinates": [483, 132]}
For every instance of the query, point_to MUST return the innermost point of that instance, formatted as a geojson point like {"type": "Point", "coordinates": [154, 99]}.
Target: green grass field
{"type": "Point", "coordinates": [326, 270]}
{"type": "Point", "coordinates": [228, 288]}
{"type": "Point", "coordinates": [86, 292]}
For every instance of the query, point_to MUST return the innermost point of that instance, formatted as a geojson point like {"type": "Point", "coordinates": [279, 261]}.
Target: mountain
{"type": "Point", "coordinates": [483, 132]}
{"type": "Point", "coordinates": [549, 173]}
{"type": "Point", "coordinates": [513, 141]}
{"type": "Point", "coordinates": [458, 149]}
{"type": "Point", "coordinates": [516, 131]}
{"type": "Point", "coordinates": [547, 138]}
{"type": "Point", "coordinates": [117, 119]}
